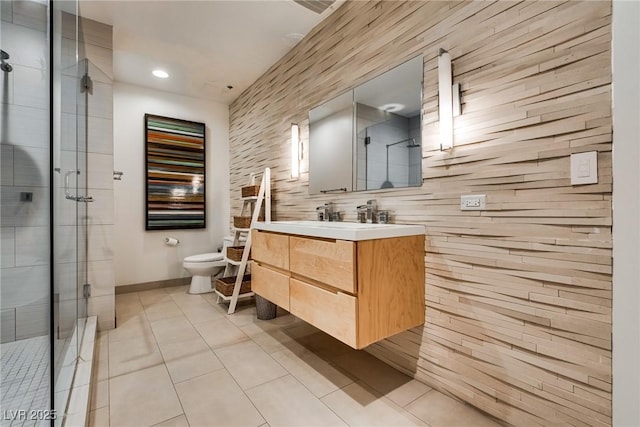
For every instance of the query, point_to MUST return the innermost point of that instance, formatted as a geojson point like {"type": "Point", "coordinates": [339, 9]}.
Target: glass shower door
{"type": "Point", "coordinates": [69, 201]}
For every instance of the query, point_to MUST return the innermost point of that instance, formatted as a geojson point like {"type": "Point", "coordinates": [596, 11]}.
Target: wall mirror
{"type": "Point", "coordinates": [369, 138]}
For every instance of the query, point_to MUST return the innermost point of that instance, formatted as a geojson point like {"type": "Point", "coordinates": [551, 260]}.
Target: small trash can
{"type": "Point", "coordinates": [266, 309]}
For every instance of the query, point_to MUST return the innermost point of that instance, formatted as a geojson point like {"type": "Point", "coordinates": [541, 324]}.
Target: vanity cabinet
{"type": "Point", "coordinates": [359, 292]}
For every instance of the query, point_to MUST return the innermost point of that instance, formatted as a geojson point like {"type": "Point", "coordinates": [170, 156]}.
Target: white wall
{"type": "Point", "coordinates": [626, 213]}
{"type": "Point", "coordinates": [141, 256]}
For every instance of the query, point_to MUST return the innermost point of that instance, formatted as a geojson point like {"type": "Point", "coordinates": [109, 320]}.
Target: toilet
{"type": "Point", "coordinates": [203, 266]}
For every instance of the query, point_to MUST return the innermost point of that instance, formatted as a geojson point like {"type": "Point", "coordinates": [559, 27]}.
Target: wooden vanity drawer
{"type": "Point", "coordinates": [333, 313]}
{"type": "Point", "coordinates": [328, 261]}
{"type": "Point", "coordinates": [270, 284]}
{"type": "Point", "coordinates": [270, 248]}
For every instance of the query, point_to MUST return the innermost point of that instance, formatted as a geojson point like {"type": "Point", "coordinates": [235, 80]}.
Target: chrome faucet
{"type": "Point", "coordinates": [368, 212]}
{"type": "Point", "coordinates": [372, 211]}
{"type": "Point", "coordinates": [362, 213]}
{"type": "Point", "coordinates": [325, 212]}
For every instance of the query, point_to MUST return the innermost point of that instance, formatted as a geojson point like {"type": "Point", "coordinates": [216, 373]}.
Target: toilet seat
{"type": "Point", "coordinates": [202, 267]}
{"type": "Point", "coordinates": [213, 256]}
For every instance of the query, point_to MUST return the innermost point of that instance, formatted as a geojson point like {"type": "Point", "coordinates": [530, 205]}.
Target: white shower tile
{"type": "Point", "coordinates": [30, 14]}
{"type": "Point", "coordinates": [27, 47]}
{"type": "Point", "coordinates": [96, 33]}
{"type": "Point", "coordinates": [101, 171]}
{"type": "Point", "coordinates": [65, 210]}
{"type": "Point", "coordinates": [23, 286]}
{"type": "Point", "coordinates": [17, 213]}
{"type": "Point", "coordinates": [6, 11]}
{"type": "Point", "coordinates": [97, 74]}
{"type": "Point", "coordinates": [8, 325]}
{"type": "Point", "coordinates": [101, 101]}
{"type": "Point", "coordinates": [68, 54]}
{"type": "Point", "coordinates": [69, 162]}
{"type": "Point", "coordinates": [65, 244]}
{"type": "Point", "coordinates": [100, 135]}
{"type": "Point", "coordinates": [30, 87]}
{"type": "Point", "coordinates": [27, 126]}
{"type": "Point", "coordinates": [69, 93]}
{"type": "Point", "coordinates": [32, 321]}
{"type": "Point", "coordinates": [102, 63]}
{"type": "Point", "coordinates": [65, 280]}
{"type": "Point", "coordinates": [101, 277]}
{"type": "Point", "coordinates": [31, 166]}
{"type": "Point", "coordinates": [101, 210]}
{"type": "Point", "coordinates": [100, 242]}
{"type": "Point", "coordinates": [7, 246]}
{"type": "Point", "coordinates": [104, 308]}
{"type": "Point", "coordinates": [6, 163]}
{"type": "Point", "coordinates": [31, 246]}
{"type": "Point", "coordinates": [68, 132]}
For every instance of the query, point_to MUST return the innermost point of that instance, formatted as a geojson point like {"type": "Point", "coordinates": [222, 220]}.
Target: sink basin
{"type": "Point", "coordinates": [341, 230]}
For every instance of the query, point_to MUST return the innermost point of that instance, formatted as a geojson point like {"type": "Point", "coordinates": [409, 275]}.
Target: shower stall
{"type": "Point", "coordinates": [45, 90]}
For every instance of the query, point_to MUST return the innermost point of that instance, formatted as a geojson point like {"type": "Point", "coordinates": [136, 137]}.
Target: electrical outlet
{"type": "Point", "coordinates": [474, 202]}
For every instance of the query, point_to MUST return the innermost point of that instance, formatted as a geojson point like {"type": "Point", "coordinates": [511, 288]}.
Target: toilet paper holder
{"type": "Point", "coordinates": [170, 241]}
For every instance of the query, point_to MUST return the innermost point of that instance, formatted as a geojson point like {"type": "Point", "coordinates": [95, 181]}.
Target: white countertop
{"type": "Point", "coordinates": [341, 230]}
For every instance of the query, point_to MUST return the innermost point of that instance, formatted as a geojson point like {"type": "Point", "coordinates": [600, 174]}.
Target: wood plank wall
{"type": "Point", "coordinates": [518, 296]}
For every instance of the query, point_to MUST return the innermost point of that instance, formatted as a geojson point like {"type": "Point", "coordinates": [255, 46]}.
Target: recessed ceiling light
{"type": "Point", "coordinates": [160, 74]}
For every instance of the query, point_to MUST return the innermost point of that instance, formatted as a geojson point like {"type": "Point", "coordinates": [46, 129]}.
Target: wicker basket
{"type": "Point", "coordinates": [225, 285]}
{"type": "Point", "coordinates": [234, 253]}
{"type": "Point", "coordinates": [250, 191]}
{"type": "Point", "coordinates": [244, 221]}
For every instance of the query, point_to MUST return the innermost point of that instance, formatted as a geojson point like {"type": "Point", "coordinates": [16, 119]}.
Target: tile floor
{"type": "Point", "coordinates": [24, 379]}
{"type": "Point", "coordinates": [179, 360]}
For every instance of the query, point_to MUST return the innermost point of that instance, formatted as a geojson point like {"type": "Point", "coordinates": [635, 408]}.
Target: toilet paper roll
{"type": "Point", "coordinates": [170, 241]}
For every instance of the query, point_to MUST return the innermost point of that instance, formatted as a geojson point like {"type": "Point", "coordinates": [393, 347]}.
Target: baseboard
{"type": "Point", "coordinates": [147, 286]}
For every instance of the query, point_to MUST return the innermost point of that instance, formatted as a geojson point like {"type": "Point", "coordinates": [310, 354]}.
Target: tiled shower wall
{"type": "Point", "coordinates": [25, 168]}
{"type": "Point", "coordinates": [96, 46]}
{"type": "Point", "coordinates": [24, 269]}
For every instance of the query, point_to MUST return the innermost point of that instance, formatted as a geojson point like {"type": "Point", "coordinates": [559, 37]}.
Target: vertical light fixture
{"type": "Point", "coordinates": [295, 150]}
{"type": "Point", "coordinates": [445, 101]}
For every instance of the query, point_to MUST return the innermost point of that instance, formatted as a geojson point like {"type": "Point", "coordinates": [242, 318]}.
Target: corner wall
{"type": "Point", "coordinates": [626, 217]}
{"type": "Point", "coordinates": [518, 297]}
{"type": "Point", "coordinates": [141, 256]}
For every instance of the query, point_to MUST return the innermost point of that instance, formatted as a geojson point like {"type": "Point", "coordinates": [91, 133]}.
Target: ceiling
{"type": "Point", "coordinates": [205, 46]}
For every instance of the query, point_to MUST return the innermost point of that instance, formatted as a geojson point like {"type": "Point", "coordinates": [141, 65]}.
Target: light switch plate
{"type": "Point", "coordinates": [584, 168]}
{"type": "Point", "coordinates": [474, 202]}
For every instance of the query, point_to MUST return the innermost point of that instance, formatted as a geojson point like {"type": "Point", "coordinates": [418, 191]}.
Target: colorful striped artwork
{"type": "Point", "coordinates": [175, 156]}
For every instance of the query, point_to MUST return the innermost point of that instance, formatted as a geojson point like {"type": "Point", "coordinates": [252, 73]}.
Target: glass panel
{"type": "Point", "coordinates": [69, 223]}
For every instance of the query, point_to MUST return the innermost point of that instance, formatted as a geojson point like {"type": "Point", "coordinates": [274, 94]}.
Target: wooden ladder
{"type": "Point", "coordinates": [238, 268]}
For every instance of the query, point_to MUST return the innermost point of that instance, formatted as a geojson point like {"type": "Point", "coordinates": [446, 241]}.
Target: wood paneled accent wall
{"type": "Point", "coordinates": [518, 296]}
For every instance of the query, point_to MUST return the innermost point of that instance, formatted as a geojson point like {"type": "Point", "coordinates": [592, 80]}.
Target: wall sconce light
{"type": "Point", "coordinates": [295, 150]}
{"type": "Point", "coordinates": [448, 99]}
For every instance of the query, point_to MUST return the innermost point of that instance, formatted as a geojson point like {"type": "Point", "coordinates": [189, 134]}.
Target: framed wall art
{"type": "Point", "coordinates": [175, 156]}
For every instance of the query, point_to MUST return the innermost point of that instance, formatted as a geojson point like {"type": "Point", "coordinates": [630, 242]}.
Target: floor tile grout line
{"type": "Point", "coordinates": [289, 373]}
{"type": "Point", "coordinates": [419, 397]}
{"type": "Point", "coordinates": [328, 358]}
{"type": "Point", "coordinates": [244, 392]}
{"type": "Point", "coordinates": [164, 363]}
{"type": "Point", "coordinates": [229, 373]}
